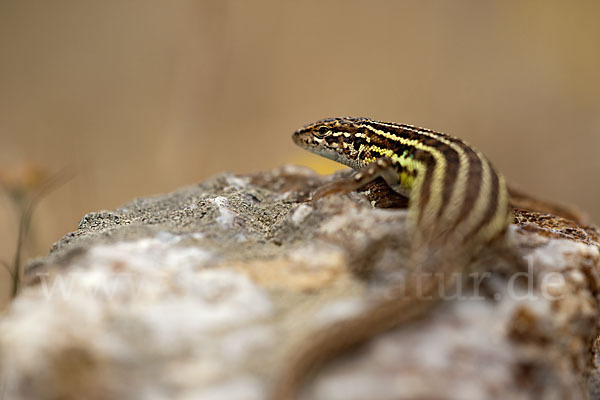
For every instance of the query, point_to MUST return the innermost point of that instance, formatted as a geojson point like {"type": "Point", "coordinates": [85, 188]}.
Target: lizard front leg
{"type": "Point", "coordinates": [380, 168]}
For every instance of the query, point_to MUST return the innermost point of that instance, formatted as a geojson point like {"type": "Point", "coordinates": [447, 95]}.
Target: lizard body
{"type": "Point", "coordinates": [457, 204]}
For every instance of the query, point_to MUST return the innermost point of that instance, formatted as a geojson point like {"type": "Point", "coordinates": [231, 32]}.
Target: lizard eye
{"type": "Point", "coordinates": [322, 131]}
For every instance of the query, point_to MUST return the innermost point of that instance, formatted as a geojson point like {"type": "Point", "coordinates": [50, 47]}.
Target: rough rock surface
{"type": "Point", "coordinates": [204, 292]}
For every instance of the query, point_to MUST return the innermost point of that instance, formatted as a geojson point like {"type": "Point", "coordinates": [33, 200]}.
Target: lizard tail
{"type": "Point", "coordinates": [332, 341]}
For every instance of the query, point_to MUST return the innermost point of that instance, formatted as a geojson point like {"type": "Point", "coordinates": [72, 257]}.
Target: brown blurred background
{"type": "Point", "coordinates": [141, 97]}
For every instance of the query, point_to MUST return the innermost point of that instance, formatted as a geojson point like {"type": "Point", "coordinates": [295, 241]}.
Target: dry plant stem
{"type": "Point", "coordinates": [26, 214]}
{"type": "Point", "coordinates": [24, 220]}
{"type": "Point", "coordinates": [7, 268]}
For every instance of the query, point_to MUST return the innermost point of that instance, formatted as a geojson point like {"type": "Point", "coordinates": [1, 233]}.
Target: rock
{"type": "Point", "coordinates": [203, 293]}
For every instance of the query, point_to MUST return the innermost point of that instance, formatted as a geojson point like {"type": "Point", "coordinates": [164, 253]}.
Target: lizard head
{"type": "Point", "coordinates": [339, 139]}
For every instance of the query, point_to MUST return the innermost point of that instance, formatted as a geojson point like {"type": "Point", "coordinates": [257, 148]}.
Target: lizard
{"type": "Point", "coordinates": [458, 203]}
